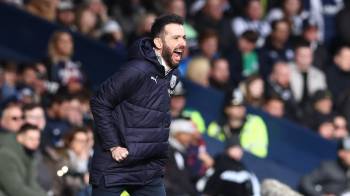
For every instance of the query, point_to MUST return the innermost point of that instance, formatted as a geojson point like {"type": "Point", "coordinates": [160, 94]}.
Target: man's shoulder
{"type": "Point", "coordinates": [139, 65]}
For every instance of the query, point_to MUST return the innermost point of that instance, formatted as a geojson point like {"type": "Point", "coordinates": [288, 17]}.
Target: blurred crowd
{"type": "Point", "coordinates": [289, 58]}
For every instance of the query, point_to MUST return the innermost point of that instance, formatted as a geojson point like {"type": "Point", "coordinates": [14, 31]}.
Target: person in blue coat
{"type": "Point", "coordinates": [132, 114]}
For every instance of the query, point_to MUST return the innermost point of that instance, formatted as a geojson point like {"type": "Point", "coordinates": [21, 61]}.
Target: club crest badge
{"type": "Point", "coordinates": [173, 81]}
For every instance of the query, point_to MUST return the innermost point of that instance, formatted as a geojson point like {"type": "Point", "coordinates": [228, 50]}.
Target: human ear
{"type": "Point", "coordinates": [158, 42]}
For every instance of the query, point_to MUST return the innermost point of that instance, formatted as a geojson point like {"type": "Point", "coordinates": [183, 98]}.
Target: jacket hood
{"type": "Point", "coordinates": [143, 49]}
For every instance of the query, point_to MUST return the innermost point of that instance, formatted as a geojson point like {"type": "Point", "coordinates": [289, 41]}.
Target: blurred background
{"type": "Point", "coordinates": [263, 106]}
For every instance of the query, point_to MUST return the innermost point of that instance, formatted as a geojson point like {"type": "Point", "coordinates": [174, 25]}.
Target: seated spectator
{"type": "Point", "coordinates": [198, 71]}
{"type": "Point", "coordinates": [208, 42]}
{"type": "Point", "coordinates": [11, 118]}
{"type": "Point", "coordinates": [278, 84]}
{"type": "Point", "coordinates": [77, 153]}
{"type": "Point", "coordinates": [305, 78]}
{"type": "Point", "coordinates": [177, 176]}
{"type": "Point", "coordinates": [330, 178]}
{"type": "Point", "coordinates": [274, 106]}
{"type": "Point", "coordinates": [340, 127]}
{"type": "Point", "coordinates": [311, 34]}
{"type": "Point", "coordinates": [252, 20]}
{"type": "Point", "coordinates": [60, 68]}
{"type": "Point", "coordinates": [220, 75]}
{"type": "Point", "coordinates": [277, 47]}
{"type": "Point", "coordinates": [10, 78]}
{"type": "Point", "coordinates": [142, 28]}
{"type": "Point", "coordinates": [18, 171]}
{"type": "Point", "coordinates": [66, 14]}
{"type": "Point", "coordinates": [86, 22]}
{"type": "Point", "coordinates": [253, 89]}
{"type": "Point", "coordinates": [245, 59]}
{"type": "Point", "coordinates": [250, 128]}
{"type": "Point", "coordinates": [112, 35]}
{"type": "Point", "coordinates": [57, 123]}
{"type": "Point", "coordinates": [230, 176]}
{"type": "Point", "coordinates": [34, 114]}
{"type": "Point", "coordinates": [321, 109]}
{"type": "Point", "coordinates": [291, 10]}
{"type": "Point", "coordinates": [338, 75]}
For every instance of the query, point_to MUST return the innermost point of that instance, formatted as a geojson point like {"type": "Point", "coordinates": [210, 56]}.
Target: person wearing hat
{"type": "Point", "coordinates": [65, 14]}
{"type": "Point", "coordinates": [229, 171]}
{"type": "Point", "coordinates": [177, 174]}
{"type": "Point", "coordinates": [250, 128]}
{"type": "Point", "coordinates": [331, 177]}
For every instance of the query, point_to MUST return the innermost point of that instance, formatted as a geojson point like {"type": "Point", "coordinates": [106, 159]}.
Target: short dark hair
{"type": "Point", "coordinates": [301, 44]}
{"type": "Point", "coordinates": [26, 127]}
{"type": "Point", "coordinates": [251, 36]}
{"type": "Point", "coordinates": [276, 22]}
{"type": "Point", "coordinates": [30, 106]}
{"type": "Point", "coordinates": [162, 21]}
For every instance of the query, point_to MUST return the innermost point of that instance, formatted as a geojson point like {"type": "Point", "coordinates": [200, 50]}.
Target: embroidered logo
{"type": "Point", "coordinates": [173, 81]}
{"type": "Point", "coordinates": [154, 78]}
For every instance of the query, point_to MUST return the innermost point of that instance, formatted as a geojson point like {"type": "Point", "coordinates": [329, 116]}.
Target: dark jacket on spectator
{"type": "Point", "coordinates": [338, 81]}
{"type": "Point", "coordinates": [131, 109]}
{"type": "Point", "coordinates": [17, 170]}
{"type": "Point", "coordinates": [229, 179]}
{"type": "Point", "coordinates": [330, 178]}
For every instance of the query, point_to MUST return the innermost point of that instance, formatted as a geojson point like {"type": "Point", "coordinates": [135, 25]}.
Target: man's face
{"type": "Point", "coordinates": [343, 59]}
{"type": "Point", "coordinates": [173, 44]}
{"type": "Point", "coordinates": [220, 71]}
{"type": "Point", "coordinates": [303, 58]}
{"type": "Point", "coordinates": [30, 139]}
{"type": "Point", "coordinates": [12, 119]}
{"type": "Point", "coordinates": [35, 117]}
{"type": "Point", "coordinates": [281, 34]}
{"type": "Point", "coordinates": [281, 74]}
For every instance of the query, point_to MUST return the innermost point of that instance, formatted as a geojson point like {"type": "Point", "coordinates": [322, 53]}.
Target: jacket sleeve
{"type": "Point", "coordinates": [110, 94]}
{"type": "Point", "coordinates": [14, 183]}
{"type": "Point", "coordinates": [310, 182]}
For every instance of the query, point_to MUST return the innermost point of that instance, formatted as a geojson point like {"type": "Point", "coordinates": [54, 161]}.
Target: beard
{"type": "Point", "coordinates": [167, 56]}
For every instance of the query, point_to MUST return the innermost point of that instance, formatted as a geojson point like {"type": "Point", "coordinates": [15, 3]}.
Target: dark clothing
{"type": "Point", "coordinates": [229, 173]}
{"type": "Point", "coordinates": [177, 175]}
{"type": "Point", "coordinates": [330, 178]}
{"type": "Point", "coordinates": [338, 81]}
{"type": "Point", "coordinates": [271, 54]}
{"type": "Point", "coordinates": [131, 110]}
{"type": "Point", "coordinates": [155, 187]}
{"type": "Point", "coordinates": [292, 111]}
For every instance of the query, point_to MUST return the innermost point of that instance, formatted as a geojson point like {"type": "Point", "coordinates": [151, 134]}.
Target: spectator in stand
{"type": "Point", "coordinates": [177, 174]}
{"type": "Point", "coordinates": [57, 123]}
{"type": "Point", "coordinates": [8, 88]}
{"type": "Point", "coordinates": [305, 78]}
{"type": "Point", "coordinates": [338, 75]}
{"type": "Point", "coordinates": [77, 155]}
{"type": "Point", "coordinates": [252, 20]}
{"type": "Point", "coordinates": [292, 11]}
{"type": "Point", "coordinates": [277, 46]}
{"type": "Point", "coordinates": [18, 171]}
{"type": "Point", "coordinates": [230, 175]}
{"type": "Point", "coordinates": [340, 127]}
{"type": "Point", "coordinates": [250, 128]}
{"type": "Point", "coordinates": [253, 89]}
{"type": "Point", "coordinates": [178, 7]}
{"type": "Point", "coordinates": [320, 109]}
{"type": "Point", "coordinates": [34, 114]}
{"type": "Point", "coordinates": [245, 59]}
{"type": "Point", "coordinates": [198, 71]}
{"type": "Point", "coordinates": [66, 14]}
{"type": "Point", "coordinates": [60, 68]}
{"type": "Point", "coordinates": [220, 75]}
{"type": "Point", "coordinates": [208, 42]}
{"type": "Point", "coordinates": [86, 22]}
{"type": "Point", "coordinates": [143, 28]}
{"type": "Point", "coordinates": [311, 34]}
{"type": "Point", "coordinates": [112, 35]}
{"type": "Point", "coordinates": [278, 84]}
{"type": "Point", "coordinates": [11, 118]}
{"type": "Point", "coordinates": [274, 106]}
{"type": "Point", "coordinates": [43, 8]}
{"type": "Point", "coordinates": [99, 9]}
{"type": "Point", "coordinates": [330, 178]}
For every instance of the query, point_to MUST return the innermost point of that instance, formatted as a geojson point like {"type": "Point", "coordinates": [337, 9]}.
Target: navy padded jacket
{"type": "Point", "coordinates": [131, 109]}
